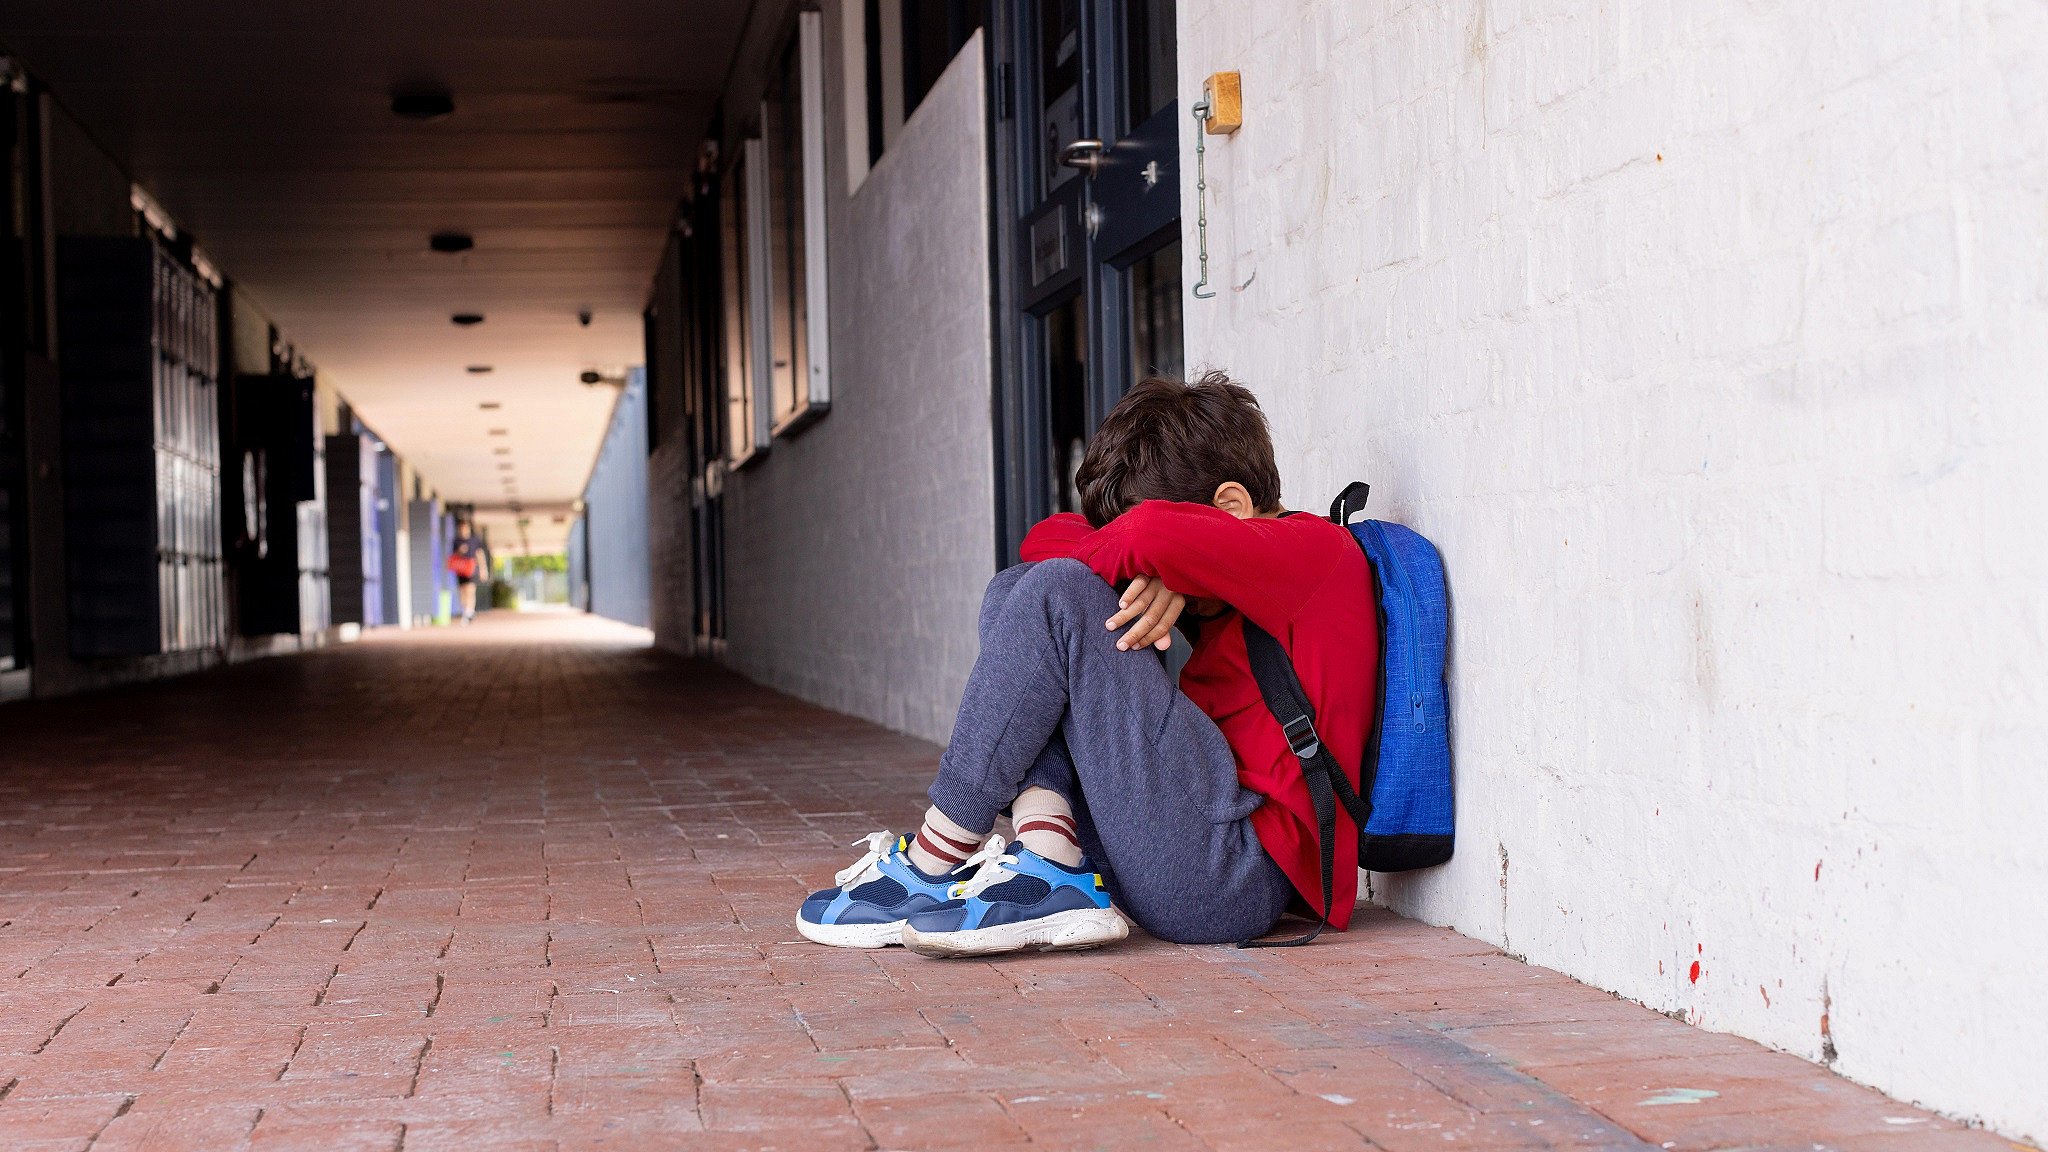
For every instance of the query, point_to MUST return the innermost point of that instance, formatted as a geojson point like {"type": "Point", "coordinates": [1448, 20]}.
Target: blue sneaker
{"type": "Point", "coordinates": [1017, 900]}
{"type": "Point", "coordinates": [874, 897]}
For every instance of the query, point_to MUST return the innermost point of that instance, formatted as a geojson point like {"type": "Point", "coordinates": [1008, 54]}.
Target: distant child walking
{"type": "Point", "coordinates": [465, 561]}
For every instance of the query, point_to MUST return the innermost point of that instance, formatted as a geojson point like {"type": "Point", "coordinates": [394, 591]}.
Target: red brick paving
{"type": "Point", "coordinates": [528, 885]}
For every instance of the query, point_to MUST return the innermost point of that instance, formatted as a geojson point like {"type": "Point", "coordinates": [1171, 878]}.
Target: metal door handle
{"type": "Point", "coordinates": [1085, 155]}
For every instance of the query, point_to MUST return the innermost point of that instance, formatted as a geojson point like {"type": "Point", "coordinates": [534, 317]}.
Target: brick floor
{"type": "Point", "coordinates": [529, 885]}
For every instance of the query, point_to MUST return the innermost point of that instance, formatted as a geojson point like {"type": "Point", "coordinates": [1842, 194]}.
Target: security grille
{"type": "Point", "coordinates": [188, 533]}
{"type": "Point", "coordinates": [140, 367]}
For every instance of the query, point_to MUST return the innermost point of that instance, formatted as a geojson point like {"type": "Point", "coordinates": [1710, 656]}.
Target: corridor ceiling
{"type": "Point", "coordinates": [267, 131]}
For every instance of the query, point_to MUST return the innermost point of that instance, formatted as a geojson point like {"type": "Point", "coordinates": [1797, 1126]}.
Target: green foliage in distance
{"type": "Point", "coordinates": [516, 566]}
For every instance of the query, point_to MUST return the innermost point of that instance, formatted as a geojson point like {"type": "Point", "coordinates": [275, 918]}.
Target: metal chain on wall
{"type": "Point", "coordinates": [1201, 290]}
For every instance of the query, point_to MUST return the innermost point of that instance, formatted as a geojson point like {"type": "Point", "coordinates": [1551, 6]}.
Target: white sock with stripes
{"type": "Point", "coordinates": [1045, 824]}
{"type": "Point", "coordinates": [941, 845]}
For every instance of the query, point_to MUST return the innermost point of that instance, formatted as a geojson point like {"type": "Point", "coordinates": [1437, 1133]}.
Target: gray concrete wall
{"type": "Point", "coordinates": [615, 508]}
{"type": "Point", "coordinates": [858, 549]}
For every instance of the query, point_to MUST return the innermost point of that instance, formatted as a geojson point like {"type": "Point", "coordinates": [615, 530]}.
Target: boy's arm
{"type": "Point", "coordinates": [1152, 605]}
{"type": "Point", "coordinates": [1256, 566]}
{"type": "Point", "coordinates": [1055, 538]}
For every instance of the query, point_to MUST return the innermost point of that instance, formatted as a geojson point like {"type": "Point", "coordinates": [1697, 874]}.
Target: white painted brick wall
{"type": "Point", "coordinates": [857, 552]}
{"type": "Point", "coordinates": [1707, 339]}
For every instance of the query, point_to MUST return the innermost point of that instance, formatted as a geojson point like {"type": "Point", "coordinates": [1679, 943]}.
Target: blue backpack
{"type": "Point", "coordinates": [1403, 803]}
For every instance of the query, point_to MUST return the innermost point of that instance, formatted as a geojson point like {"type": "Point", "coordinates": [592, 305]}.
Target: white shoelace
{"type": "Point", "coordinates": [992, 868]}
{"type": "Point", "coordinates": [879, 845]}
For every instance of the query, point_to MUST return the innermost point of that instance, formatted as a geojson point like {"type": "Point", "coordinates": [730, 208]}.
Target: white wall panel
{"type": "Point", "coordinates": [1707, 340]}
{"type": "Point", "coordinates": [857, 550]}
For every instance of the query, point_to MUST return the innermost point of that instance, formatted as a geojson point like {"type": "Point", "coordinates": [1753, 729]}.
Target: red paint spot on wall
{"type": "Point", "coordinates": [1816, 871]}
{"type": "Point", "coordinates": [1695, 972]}
{"type": "Point", "coordinates": [1702, 948]}
{"type": "Point", "coordinates": [1767, 995]}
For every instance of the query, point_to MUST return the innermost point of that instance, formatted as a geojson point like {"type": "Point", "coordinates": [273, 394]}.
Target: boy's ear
{"type": "Point", "coordinates": [1235, 499]}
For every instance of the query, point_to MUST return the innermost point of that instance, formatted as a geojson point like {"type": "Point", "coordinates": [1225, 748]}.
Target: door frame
{"type": "Point", "coordinates": [1019, 406]}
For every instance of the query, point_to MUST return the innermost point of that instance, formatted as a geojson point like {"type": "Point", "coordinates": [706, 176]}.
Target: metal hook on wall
{"type": "Point", "coordinates": [1201, 290]}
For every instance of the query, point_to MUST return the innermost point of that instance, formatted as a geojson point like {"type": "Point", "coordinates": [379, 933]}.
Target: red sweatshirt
{"type": "Point", "coordinates": [1300, 578]}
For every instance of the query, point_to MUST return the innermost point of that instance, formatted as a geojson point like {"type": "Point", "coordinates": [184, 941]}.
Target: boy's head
{"type": "Point", "coordinates": [1200, 442]}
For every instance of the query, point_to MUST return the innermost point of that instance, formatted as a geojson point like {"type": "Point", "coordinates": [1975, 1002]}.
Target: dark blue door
{"type": "Point", "coordinates": [1088, 177]}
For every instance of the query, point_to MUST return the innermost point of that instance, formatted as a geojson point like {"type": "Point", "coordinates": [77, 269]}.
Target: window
{"type": "Point", "coordinates": [792, 129]}
{"type": "Point", "coordinates": [1059, 87]}
{"type": "Point", "coordinates": [1155, 314]}
{"type": "Point", "coordinates": [934, 31]}
{"type": "Point", "coordinates": [896, 50]}
{"type": "Point", "coordinates": [777, 370]}
{"type": "Point", "coordinates": [1151, 60]}
{"type": "Point", "coordinates": [756, 226]}
{"type": "Point", "coordinates": [741, 442]}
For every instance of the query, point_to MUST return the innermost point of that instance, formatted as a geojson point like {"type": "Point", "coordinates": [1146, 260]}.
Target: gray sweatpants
{"type": "Point", "coordinates": [1052, 703]}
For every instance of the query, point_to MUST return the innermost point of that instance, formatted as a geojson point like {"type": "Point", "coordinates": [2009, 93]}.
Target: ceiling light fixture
{"type": "Point", "coordinates": [466, 319]}
{"type": "Point", "coordinates": [489, 405]}
{"type": "Point", "coordinates": [451, 242]}
{"type": "Point", "coordinates": [422, 101]}
{"type": "Point", "coordinates": [497, 431]}
{"type": "Point", "coordinates": [481, 370]}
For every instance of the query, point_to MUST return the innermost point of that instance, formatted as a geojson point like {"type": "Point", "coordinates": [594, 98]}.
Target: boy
{"type": "Point", "coordinates": [1182, 800]}
{"type": "Point", "coordinates": [464, 560]}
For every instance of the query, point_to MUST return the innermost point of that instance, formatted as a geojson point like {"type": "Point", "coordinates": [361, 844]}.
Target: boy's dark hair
{"type": "Point", "coordinates": [1173, 440]}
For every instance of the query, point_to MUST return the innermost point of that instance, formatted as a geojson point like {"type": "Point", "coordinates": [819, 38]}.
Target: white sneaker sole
{"type": "Point", "coordinates": [1059, 932]}
{"type": "Point", "coordinates": [852, 935]}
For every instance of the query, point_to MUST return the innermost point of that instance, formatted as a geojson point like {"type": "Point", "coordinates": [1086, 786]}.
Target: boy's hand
{"type": "Point", "coordinates": [1155, 607]}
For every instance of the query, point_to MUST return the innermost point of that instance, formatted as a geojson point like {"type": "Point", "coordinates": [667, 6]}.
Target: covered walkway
{"type": "Point", "coordinates": [528, 885]}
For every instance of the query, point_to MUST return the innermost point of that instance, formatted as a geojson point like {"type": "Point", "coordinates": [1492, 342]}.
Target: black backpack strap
{"type": "Point", "coordinates": [1327, 784]}
{"type": "Point", "coordinates": [1350, 502]}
